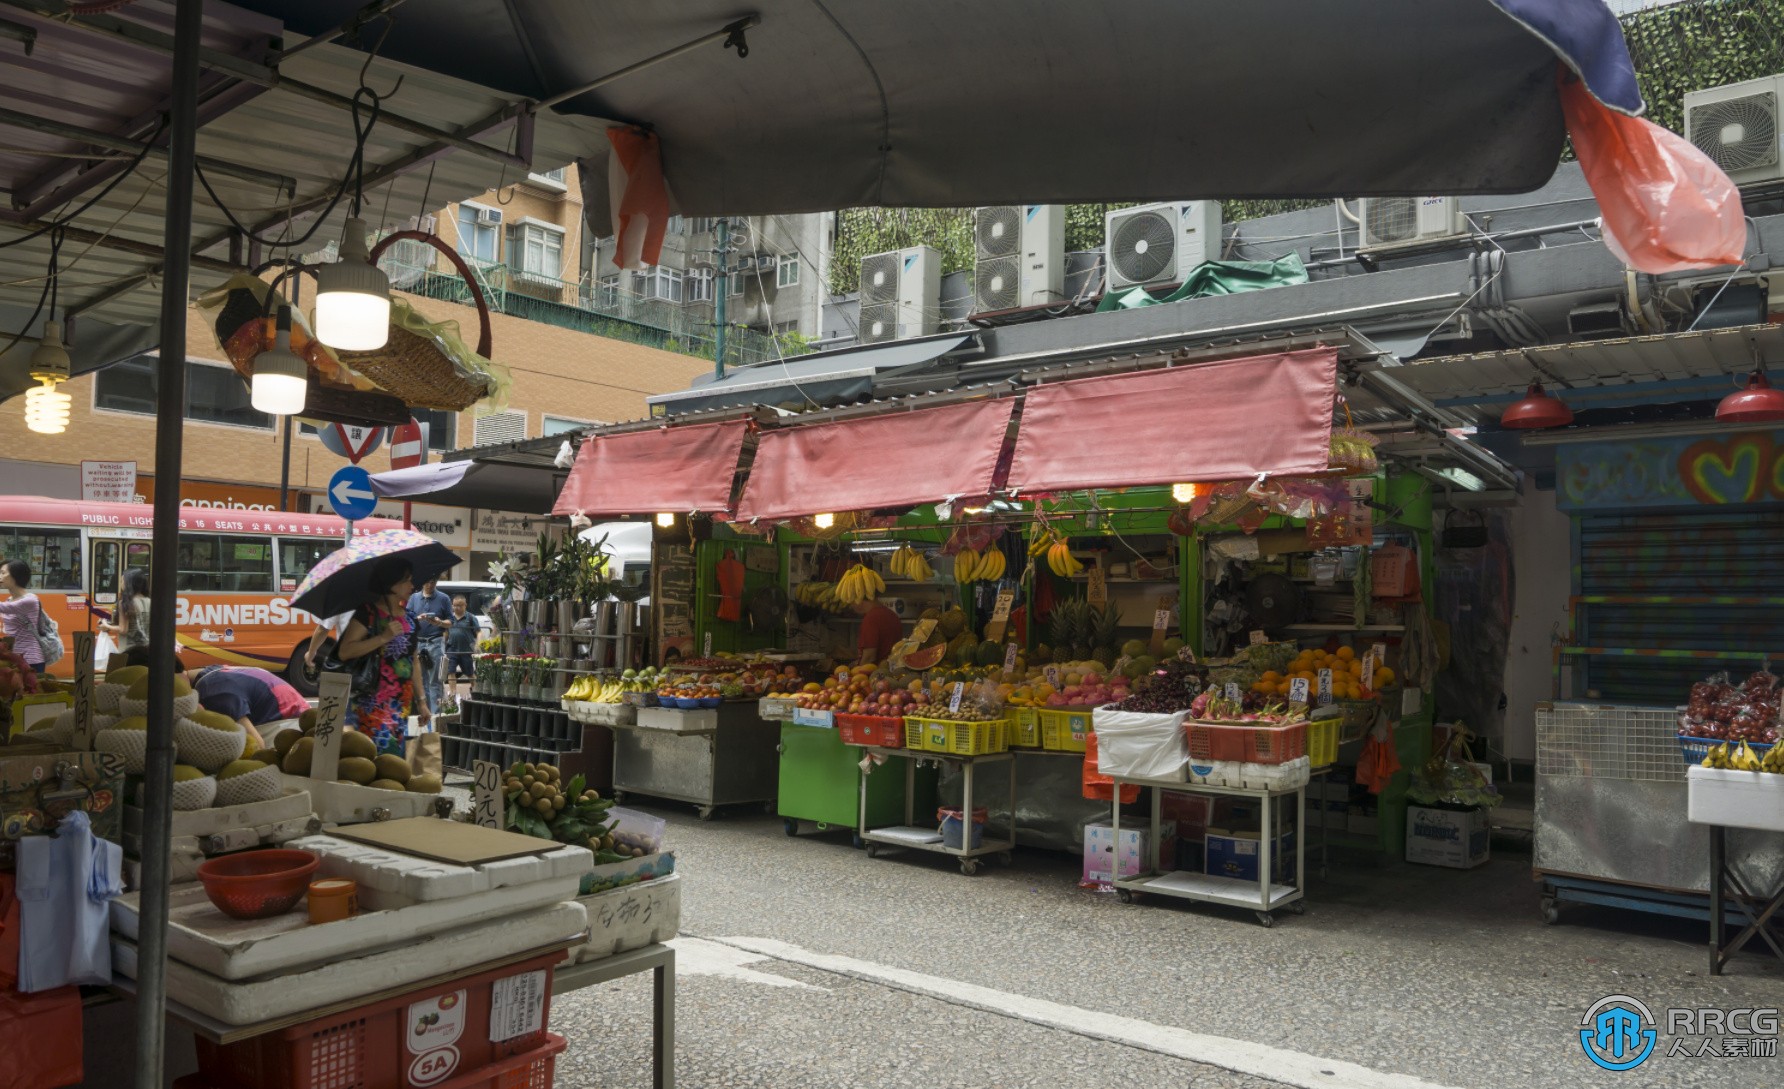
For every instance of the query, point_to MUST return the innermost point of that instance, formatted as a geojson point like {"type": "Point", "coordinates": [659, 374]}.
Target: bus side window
{"type": "Point", "coordinates": [136, 554]}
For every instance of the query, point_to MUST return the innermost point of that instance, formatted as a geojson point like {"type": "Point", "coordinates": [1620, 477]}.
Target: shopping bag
{"type": "Point", "coordinates": [1097, 786]}
{"type": "Point", "coordinates": [1666, 206]}
{"type": "Point", "coordinates": [424, 755]}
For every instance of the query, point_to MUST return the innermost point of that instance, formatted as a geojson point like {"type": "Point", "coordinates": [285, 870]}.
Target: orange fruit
{"type": "Point", "coordinates": [1346, 654]}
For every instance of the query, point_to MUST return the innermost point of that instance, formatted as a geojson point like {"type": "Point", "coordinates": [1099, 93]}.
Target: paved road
{"type": "Point", "coordinates": [806, 964]}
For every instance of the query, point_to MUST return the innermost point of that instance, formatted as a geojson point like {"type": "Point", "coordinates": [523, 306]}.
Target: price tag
{"type": "Point", "coordinates": [706, 651]}
{"type": "Point", "coordinates": [1000, 612]}
{"type": "Point", "coordinates": [1297, 690]}
{"type": "Point", "coordinates": [1010, 658]}
{"type": "Point", "coordinates": [921, 633]}
{"type": "Point", "coordinates": [954, 700]}
{"type": "Point", "coordinates": [1184, 654]}
{"type": "Point", "coordinates": [331, 712]}
{"type": "Point", "coordinates": [1258, 636]}
{"type": "Point", "coordinates": [1161, 619]}
{"type": "Point", "coordinates": [1096, 590]}
{"type": "Point", "coordinates": [83, 691]}
{"type": "Point", "coordinates": [1052, 674]}
{"type": "Point", "coordinates": [1232, 691]}
{"type": "Point", "coordinates": [1325, 687]}
{"type": "Point", "coordinates": [1369, 664]}
{"type": "Point", "coordinates": [1380, 650]}
{"type": "Point", "coordinates": [486, 793]}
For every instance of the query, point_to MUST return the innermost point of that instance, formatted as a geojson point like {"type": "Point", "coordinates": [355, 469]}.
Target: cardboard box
{"type": "Point", "coordinates": [1105, 858]}
{"type": "Point", "coordinates": [1190, 813]}
{"type": "Point", "coordinates": [1458, 839]}
{"type": "Point", "coordinates": [1236, 855]}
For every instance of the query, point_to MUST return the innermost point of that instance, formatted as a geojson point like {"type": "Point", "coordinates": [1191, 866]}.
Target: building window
{"type": "Point", "coordinates": [734, 285]}
{"type": "Point", "coordinates": [551, 178]}
{"type": "Point", "coordinates": [213, 394]}
{"type": "Point", "coordinates": [500, 427]}
{"type": "Point", "coordinates": [477, 239]}
{"type": "Point", "coordinates": [677, 225]}
{"type": "Point", "coordinates": [662, 283]}
{"type": "Point", "coordinates": [607, 293]}
{"type": "Point", "coordinates": [699, 285]}
{"type": "Point", "coordinates": [563, 425]}
{"type": "Point", "coordinates": [782, 328]}
{"type": "Point", "coordinates": [787, 273]}
{"type": "Point", "coordinates": [537, 250]}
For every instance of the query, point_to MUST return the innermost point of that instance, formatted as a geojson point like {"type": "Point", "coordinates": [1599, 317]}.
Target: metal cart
{"type": "Point", "coordinates": [917, 838]}
{"type": "Point", "coordinates": [1263, 896]}
{"type": "Point", "coordinates": [722, 756]}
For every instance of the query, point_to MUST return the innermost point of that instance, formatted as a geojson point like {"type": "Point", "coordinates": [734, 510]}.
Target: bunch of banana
{"type": "Point", "coordinates": [1041, 543]}
{"type": "Point", "coordinates": [1743, 758]}
{"type": "Point", "coordinates": [991, 566]}
{"type": "Point", "coordinates": [908, 563]}
{"type": "Point", "coordinates": [595, 690]}
{"type": "Point", "coordinates": [966, 561]}
{"type": "Point", "coordinates": [1773, 761]}
{"type": "Point", "coordinates": [859, 583]}
{"type": "Point", "coordinates": [1061, 560]}
{"type": "Point", "coordinates": [822, 595]}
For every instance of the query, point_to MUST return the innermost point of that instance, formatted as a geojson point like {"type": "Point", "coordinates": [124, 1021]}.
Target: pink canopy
{"type": "Point", "coordinates": [898, 460]}
{"type": "Point", "coordinates": [642, 472]}
{"type": "Point", "coordinates": [1210, 421]}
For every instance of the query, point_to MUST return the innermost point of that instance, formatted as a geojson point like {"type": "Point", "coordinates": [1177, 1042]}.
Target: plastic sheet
{"type": "Point", "coordinates": [1136, 745]}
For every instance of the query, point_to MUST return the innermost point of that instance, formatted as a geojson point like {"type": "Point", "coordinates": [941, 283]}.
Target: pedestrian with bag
{"type": "Point", "coordinates": [430, 612]}
{"type": "Point", "coordinates": [379, 650]}
{"type": "Point", "coordinates": [132, 627]}
{"type": "Point", "coordinates": [21, 618]}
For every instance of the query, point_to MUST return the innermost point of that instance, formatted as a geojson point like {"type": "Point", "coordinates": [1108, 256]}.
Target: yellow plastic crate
{"type": "Point", "coordinates": [1024, 727]}
{"type": "Point", "coordinates": [957, 738]}
{"type": "Point", "coordinates": [1064, 731]}
{"type": "Point", "coordinates": [1322, 741]}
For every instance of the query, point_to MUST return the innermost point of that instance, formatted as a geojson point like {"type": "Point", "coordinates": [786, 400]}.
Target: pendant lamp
{"type": "Point", "coordinates": [1758, 403]}
{"type": "Point", "coordinates": [46, 407]}
{"type": "Point", "coordinates": [281, 378]}
{"type": "Point", "coordinates": [353, 296]}
{"type": "Point", "coordinates": [1537, 410]}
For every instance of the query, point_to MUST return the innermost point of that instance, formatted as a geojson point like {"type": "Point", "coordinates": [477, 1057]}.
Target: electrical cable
{"type": "Point", "coordinates": [135, 162]}
{"type": "Point", "coordinates": [46, 295]}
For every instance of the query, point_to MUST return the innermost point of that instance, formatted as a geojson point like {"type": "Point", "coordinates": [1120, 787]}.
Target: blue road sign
{"type": "Point", "coordinates": [350, 493]}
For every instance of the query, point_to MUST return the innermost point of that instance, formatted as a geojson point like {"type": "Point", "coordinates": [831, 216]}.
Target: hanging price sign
{"type": "Point", "coordinates": [1161, 619]}
{"type": "Point", "coordinates": [954, 700]}
{"type": "Point", "coordinates": [1297, 690]}
{"type": "Point", "coordinates": [486, 793]}
{"type": "Point", "coordinates": [1325, 687]}
{"type": "Point", "coordinates": [1096, 591]}
{"type": "Point", "coordinates": [1010, 658]}
{"type": "Point", "coordinates": [1000, 612]}
{"type": "Point", "coordinates": [1369, 666]}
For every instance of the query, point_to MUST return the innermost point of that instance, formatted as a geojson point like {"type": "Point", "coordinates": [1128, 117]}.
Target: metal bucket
{"type": "Point", "coordinates": [553, 646]}
{"type": "Point", "coordinates": [542, 614]}
{"type": "Point", "coordinates": [568, 613]}
{"type": "Point", "coordinates": [606, 617]}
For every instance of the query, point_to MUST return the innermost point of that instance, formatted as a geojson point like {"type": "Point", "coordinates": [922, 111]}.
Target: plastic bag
{"type": "Point", "coordinates": [1450, 777]}
{"type": "Point", "coordinates": [1138, 745]}
{"type": "Point", "coordinates": [1666, 207]}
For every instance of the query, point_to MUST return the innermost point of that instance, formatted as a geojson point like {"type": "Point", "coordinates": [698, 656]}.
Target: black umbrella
{"type": "Point", "coordinates": [343, 580]}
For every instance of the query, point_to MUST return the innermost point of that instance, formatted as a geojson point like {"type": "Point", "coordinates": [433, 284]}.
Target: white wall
{"type": "Point", "coordinates": [1541, 559]}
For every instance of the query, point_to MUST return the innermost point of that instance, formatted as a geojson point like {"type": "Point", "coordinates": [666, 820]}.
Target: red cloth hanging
{"type": "Point", "coordinates": [731, 574]}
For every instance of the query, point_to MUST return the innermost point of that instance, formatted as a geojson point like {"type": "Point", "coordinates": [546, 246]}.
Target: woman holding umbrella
{"type": "Point", "coordinates": [383, 628]}
{"type": "Point", "coordinates": [371, 577]}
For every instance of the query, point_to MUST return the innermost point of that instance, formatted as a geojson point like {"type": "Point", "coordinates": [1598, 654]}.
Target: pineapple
{"type": "Point", "coordinates": [1084, 623]}
{"type": "Point", "coordinates": [1104, 631]}
{"type": "Point", "coordinates": [1061, 626]}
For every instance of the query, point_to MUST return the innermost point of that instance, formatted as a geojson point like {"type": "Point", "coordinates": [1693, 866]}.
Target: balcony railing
{"type": "Point", "coordinates": [589, 308]}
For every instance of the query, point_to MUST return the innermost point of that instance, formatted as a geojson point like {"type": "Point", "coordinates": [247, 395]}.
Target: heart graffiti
{"type": "Point", "coordinates": [1745, 468]}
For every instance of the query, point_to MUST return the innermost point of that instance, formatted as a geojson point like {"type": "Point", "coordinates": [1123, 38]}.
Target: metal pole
{"type": "Point", "coordinates": [722, 287]}
{"type": "Point", "coordinates": [285, 463]}
{"type": "Point", "coordinates": [170, 406]}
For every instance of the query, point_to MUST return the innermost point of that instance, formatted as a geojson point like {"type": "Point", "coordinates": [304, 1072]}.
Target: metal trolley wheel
{"type": "Point", "coordinates": [1551, 910]}
{"type": "Point", "coordinates": [969, 866]}
{"type": "Point", "coordinates": [1126, 896]}
{"type": "Point", "coordinates": [1266, 920]}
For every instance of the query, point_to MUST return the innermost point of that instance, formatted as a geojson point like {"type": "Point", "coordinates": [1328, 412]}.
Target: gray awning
{"type": "Point", "coordinates": [822, 379]}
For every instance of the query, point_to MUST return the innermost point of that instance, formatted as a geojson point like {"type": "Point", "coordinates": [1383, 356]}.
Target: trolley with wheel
{"type": "Point", "coordinates": [910, 836]}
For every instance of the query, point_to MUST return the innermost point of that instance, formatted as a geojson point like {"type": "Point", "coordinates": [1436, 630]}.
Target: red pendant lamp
{"type": "Point", "coordinates": [1758, 403]}
{"type": "Point", "coordinates": [1537, 410]}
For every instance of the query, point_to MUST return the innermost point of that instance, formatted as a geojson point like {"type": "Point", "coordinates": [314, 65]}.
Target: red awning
{"type": "Point", "coordinates": [1211, 421]}
{"type": "Point", "coordinates": [899, 460]}
{"type": "Point", "coordinates": [672, 469]}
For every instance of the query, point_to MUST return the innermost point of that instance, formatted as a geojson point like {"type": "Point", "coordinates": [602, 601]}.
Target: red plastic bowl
{"type": "Point", "coordinates": [257, 884]}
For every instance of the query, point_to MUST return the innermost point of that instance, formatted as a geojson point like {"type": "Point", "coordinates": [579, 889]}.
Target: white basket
{"type": "Point", "coordinates": [1233, 773]}
{"type": "Point", "coordinates": [1735, 799]}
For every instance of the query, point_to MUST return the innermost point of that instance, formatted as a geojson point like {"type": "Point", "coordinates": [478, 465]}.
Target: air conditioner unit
{"type": "Point", "coordinates": [489, 215]}
{"type": "Point", "coordinates": [1396, 221]}
{"type": "Point", "coordinates": [1160, 243]}
{"type": "Point", "coordinates": [1019, 256]}
{"type": "Point", "coordinates": [901, 294]}
{"type": "Point", "coordinates": [1737, 126]}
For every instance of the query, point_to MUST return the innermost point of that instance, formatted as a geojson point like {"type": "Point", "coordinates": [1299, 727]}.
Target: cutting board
{"type": "Point", "coordinates": [446, 841]}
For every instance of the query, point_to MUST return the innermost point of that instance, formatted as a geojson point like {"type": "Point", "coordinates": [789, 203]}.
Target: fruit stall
{"type": "Point", "coordinates": [303, 877]}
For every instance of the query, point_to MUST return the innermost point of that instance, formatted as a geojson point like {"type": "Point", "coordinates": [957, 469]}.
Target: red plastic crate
{"type": "Point", "coordinates": [375, 1046]}
{"type": "Point", "coordinates": [1210, 741]}
{"type": "Point", "coordinates": [878, 730]}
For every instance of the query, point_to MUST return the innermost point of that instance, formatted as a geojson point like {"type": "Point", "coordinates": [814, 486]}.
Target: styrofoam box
{"type": "Point", "coordinates": [1232, 773]}
{"type": "Point", "coordinates": [389, 879]}
{"type": "Point", "coordinates": [250, 1001]}
{"type": "Point", "coordinates": [1735, 799]}
{"type": "Point", "coordinates": [704, 721]}
{"type": "Point", "coordinates": [350, 803]}
{"type": "Point", "coordinates": [1459, 839]}
{"type": "Point", "coordinates": [629, 917]}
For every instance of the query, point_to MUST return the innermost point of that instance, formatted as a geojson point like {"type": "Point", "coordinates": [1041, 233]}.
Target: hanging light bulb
{"type": "Point", "coordinates": [46, 407]}
{"type": "Point", "coordinates": [353, 296]}
{"type": "Point", "coordinates": [666, 520]}
{"type": "Point", "coordinates": [281, 378]}
{"type": "Point", "coordinates": [1537, 410]}
{"type": "Point", "coordinates": [823, 521]}
{"type": "Point", "coordinates": [1758, 403]}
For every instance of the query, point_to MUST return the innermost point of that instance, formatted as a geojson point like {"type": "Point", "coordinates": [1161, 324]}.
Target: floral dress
{"type": "Point", "coordinates": [384, 715]}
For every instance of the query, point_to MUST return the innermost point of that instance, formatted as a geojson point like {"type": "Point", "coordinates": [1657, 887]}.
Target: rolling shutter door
{"type": "Point", "coordinates": [1668, 598]}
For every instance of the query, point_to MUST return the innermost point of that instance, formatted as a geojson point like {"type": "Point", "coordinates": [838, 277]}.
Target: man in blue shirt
{"type": "Point", "coordinates": [431, 611]}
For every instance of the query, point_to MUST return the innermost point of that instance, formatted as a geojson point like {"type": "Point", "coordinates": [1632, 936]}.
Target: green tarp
{"type": "Point", "coordinates": [1215, 278]}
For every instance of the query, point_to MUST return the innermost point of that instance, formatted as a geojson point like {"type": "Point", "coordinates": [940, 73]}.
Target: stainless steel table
{"type": "Point", "coordinates": [658, 959]}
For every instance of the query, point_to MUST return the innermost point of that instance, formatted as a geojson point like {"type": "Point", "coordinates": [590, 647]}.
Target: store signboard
{"type": "Point", "coordinates": [451, 526]}
{"type": "Point", "coordinates": [108, 481]}
{"type": "Point", "coordinates": [1677, 471]}
{"type": "Point", "coordinates": [498, 531]}
{"type": "Point", "coordinates": [205, 495]}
